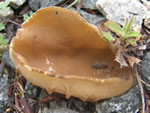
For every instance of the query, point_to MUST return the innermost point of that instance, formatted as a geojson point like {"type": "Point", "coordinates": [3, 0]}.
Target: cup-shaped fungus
{"type": "Point", "coordinates": [58, 50]}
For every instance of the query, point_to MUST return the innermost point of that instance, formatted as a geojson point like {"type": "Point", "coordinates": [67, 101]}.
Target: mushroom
{"type": "Point", "coordinates": [58, 50]}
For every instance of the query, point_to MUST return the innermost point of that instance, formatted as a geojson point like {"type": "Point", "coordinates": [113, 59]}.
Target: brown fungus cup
{"type": "Point", "coordinates": [58, 50]}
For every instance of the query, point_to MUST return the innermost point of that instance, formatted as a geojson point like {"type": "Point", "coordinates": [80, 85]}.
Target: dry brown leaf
{"type": "Point", "coordinates": [133, 60]}
{"type": "Point", "coordinates": [120, 58]}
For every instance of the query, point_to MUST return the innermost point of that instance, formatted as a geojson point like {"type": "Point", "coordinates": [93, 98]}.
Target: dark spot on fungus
{"type": "Point", "coordinates": [99, 66]}
{"type": "Point", "coordinates": [113, 67]}
{"type": "Point", "coordinates": [56, 12]}
{"type": "Point", "coordinates": [34, 70]}
{"type": "Point", "coordinates": [37, 70]}
{"type": "Point", "coordinates": [41, 71]}
{"type": "Point", "coordinates": [34, 37]}
{"type": "Point", "coordinates": [51, 75]}
{"type": "Point", "coordinates": [22, 63]}
{"type": "Point", "coordinates": [60, 76]}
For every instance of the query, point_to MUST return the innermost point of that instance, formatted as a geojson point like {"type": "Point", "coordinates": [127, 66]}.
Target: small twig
{"type": "Point", "coordinates": [24, 10]}
{"type": "Point", "coordinates": [17, 106]}
{"type": "Point", "coordinates": [11, 21]}
{"type": "Point", "coordinates": [146, 4]}
{"type": "Point", "coordinates": [62, 3]}
{"type": "Point", "coordinates": [22, 100]}
{"type": "Point", "coordinates": [26, 107]}
{"type": "Point", "coordinates": [75, 1]}
{"type": "Point", "coordinates": [79, 6]}
{"type": "Point", "coordinates": [147, 109]}
{"type": "Point", "coordinates": [47, 99]}
{"type": "Point", "coordinates": [8, 20]}
{"type": "Point", "coordinates": [16, 100]}
{"type": "Point", "coordinates": [10, 90]}
{"type": "Point", "coordinates": [140, 86]}
{"type": "Point", "coordinates": [20, 89]}
{"type": "Point", "coordinates": [148, 85]}
{"type": "Point", "coordinates": [2, 64]}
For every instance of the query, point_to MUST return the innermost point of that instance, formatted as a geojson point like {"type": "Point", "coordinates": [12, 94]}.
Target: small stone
{"type": "Point", "coordinates": [7, 59]}
{"type": "Point", "coordinates": [89, 4]}
{"type": "Point", "coordinates": [120, 10]}
{"type": "Point", "coordinates": [6, 12]}
{"type": "Point", "coordinates": [4, 101]}
{"type": "Point", "coordinates": [17, 3]}
{"type": "Point", "coordinates": [142, 47]}
{"type": "Point", "coordinates": [53, 104]}
{"type": "Point", "coordinates": [145, 69]}
{"type": "Point", "coordinates": [98, 65]}
{"type": "Point", "coordinates": [90, 18]}
{"type": "Point", "coordinates": [147, 21]}
{"type": "Point", "coordinates": [47, 3]}
{"type": "Point", "coordinates": [37, 4]}
{"type": "Point", "coordinates": [126, 103]}
{"type": "Point", "coordinates": [43, 94]}
{"type": "Point", "coordinates": [58, 110]}
{"type": "Point", "coordinates": [33, 104]}
{"type": "Point", "coordinates": [31, 91]}
{"type": "Point", "coordinates": [62, 103]}
{"type": "Point", "coordinates": [34, 4]}
{"type": "Point", "coordinates": [81, 106]}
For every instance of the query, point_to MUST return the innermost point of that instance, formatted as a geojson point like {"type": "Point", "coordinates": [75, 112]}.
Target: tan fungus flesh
{"type": "Point", "coordinates": [58, 50]}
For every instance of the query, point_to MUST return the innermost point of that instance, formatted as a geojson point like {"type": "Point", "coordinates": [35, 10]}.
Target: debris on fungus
{"type": "Point", "coordinates": [58, 50]}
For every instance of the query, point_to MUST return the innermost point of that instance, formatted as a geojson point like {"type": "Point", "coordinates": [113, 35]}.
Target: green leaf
{"type": "Point", "coordinates": [3, 46]}
{"type": "Point", "coordinates": [4, 4]}
{"type": "Point", "coordinates": [125, 26]}
{"type": "Point", "coordinates": [2, 26]}
{"type": "Point", "coordinates": [108, 36]}
{"type": "Point", "coordinates": [113, 26]}
{"type": "Point", "coordinates": [30, 13]}
{"type": "Point", "coordinates": [27, 16]}
{"type": "Point", "coordinates": [1, 38]}
{"type": "Point", "coordinates": [133, 34]}
{"type": "Point", "coordinates": [129, 25]}
{"type": "Point", "coordinates": [1, 54]}
{"type": "Point", "coordinates": [4, 42]}
{"type": "Point", "coordinates": [6, 9]}
{"type": "Point", "coordinates": [73, 3]}
{"type": "Point", "coordinates": [132, 42]}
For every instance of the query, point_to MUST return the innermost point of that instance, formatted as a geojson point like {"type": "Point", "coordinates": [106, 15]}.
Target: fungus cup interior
{"type": "Point", "coordinates": [58, 50]}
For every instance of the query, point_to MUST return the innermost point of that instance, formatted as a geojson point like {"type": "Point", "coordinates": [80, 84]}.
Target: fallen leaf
{"type": "Point", "coordinates": [120, 58]}
{"type": "Point", "coordinates": [133, 60]}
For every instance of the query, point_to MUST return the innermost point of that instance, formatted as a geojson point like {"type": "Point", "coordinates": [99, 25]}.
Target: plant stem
{"type": "Point", "coordinates": [129, 25]}
{"type": "Point", "coordinates": [73, 3]}
{"type": "Point", "coordinates": [141, 87]}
